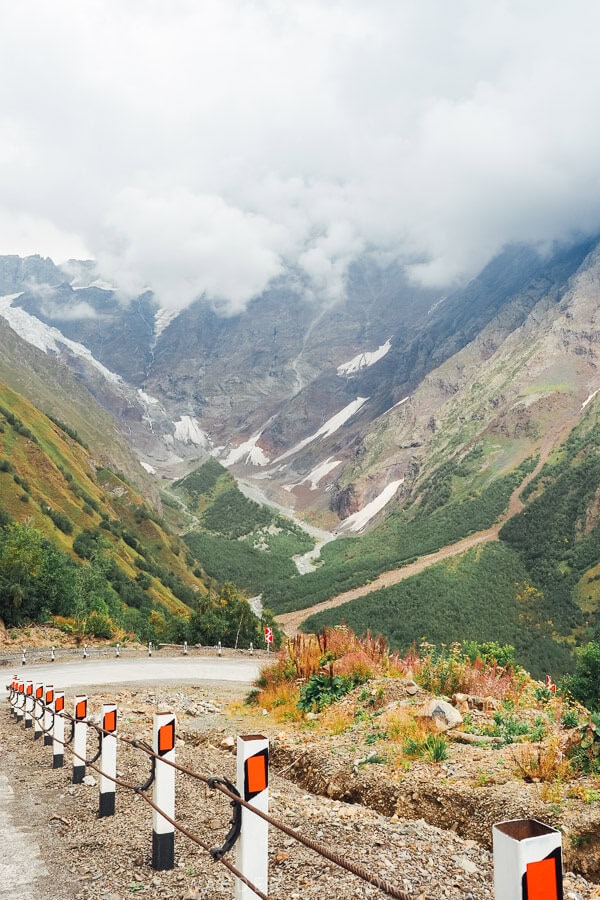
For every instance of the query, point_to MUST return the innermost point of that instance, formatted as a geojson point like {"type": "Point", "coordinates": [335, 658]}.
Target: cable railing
{"type": "Point", "coordinates": [42, 708]}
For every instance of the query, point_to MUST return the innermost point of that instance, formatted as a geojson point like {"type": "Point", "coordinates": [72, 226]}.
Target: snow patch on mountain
{"type": "Point", "coordinates": [316, 475]}
{"type": "Point", "coordinates": [364, 360]}
{"type": "Point", "coordinates": [329, 428]}
{"type": "Point", "coordinates": [149, 469]}
{"type": "Point", "coordinates": [359, 519]}
{"type": "Point", "coordinates": [589, 400]}
{"type": "Point", "coordinates": [162, 320]}
{"type": "Point", "coordinates": [248, 453]}
{"type": "Point", "coordinates": [147, 398]}
{"type": "Point", "coordinates": [46, 337]}
{"type": "Point", "coordinates": [188, 431]}
{"type": "Point", "coordinates": [400, 402]}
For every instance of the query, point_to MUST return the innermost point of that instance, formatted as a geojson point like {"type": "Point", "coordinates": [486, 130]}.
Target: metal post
{"type": "Point", "coordinates": [28, 704]}
{"type": "Point", "coordinates": [149, 648]}
{"type": "Point", "coordinates": [219, 648]}
{"type": "Point", "coordinates": [38, 709]}
{"type": "Point", "coordinates": [79, 738]}
{"type": "Point", "coordinates": [185, 652]}
{"type": "Point", "coordinates": [20, 704]}
{"type": "Point", "coordinates": [23, 660]}
{"type": "Point", "coordinates": [108, 760]}
{"type": "Point", "coordinates": [85, 651]}
{"type": "Point", "coordinates": [163, 792]}
{"type": "Point", "coordinates": [48, 700]}
{"type": "Point", "coordinates": [58, 731]}
{"type": "Point", "coordinates": [251, 649]}
{"type": "Point", "coordinates": [52, 655]}
{"type": "Point", "coordinates": [118, 653]}
{"type": "Point", "coordinates": [527, 860]}
{"type": "Point", "coordinates": [253, 785]}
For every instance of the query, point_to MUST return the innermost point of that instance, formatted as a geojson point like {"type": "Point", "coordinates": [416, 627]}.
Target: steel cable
{"type": "Point", "coordinates": [137, 789]}
{"type": "Point", "coordinates": [355, 869]}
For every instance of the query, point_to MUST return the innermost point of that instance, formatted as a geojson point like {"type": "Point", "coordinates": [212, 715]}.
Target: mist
{"type": "Point", "coordinates": [206, 149]}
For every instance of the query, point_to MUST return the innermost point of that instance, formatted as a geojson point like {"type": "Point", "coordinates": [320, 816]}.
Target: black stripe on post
{"type": "Point", "coordinates": [47, 740]}
{"type": "Point", "coordinates": [78, 774]}
{"type": "Point", "coordinates": [163, 851]}
{"type": "Point", "coordinates": [58, 761]}
{"type": "Point", "coordinates": [107, 804]}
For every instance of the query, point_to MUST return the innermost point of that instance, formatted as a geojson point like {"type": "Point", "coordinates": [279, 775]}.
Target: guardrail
{"type": "Point", "coordinates": [42, 708]}
{"type": "Point", "coordinates": [31, 655]}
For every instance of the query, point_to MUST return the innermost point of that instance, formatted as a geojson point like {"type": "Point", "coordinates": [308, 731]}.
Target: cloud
{"type": "Point", "coordinates": [205, 149]}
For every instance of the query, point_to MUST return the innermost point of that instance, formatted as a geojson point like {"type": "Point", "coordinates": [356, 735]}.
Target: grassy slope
{"type": "Point", "coordinates": [56, 471]}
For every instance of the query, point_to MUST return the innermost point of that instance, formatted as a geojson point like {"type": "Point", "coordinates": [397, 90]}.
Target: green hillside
{"type": "Point", "coordinates": [237, 539]}
{"type": "Point", "coordinates": [78, 541]}
{"type": "Point", "coordinates": [538, 588]}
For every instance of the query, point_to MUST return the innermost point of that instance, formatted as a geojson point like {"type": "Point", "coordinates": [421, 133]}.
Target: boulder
{"type": "Point", "coordinates": [442, 713]}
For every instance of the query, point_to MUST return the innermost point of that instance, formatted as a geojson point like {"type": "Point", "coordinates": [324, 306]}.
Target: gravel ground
{"type": "Point", "coordinates": [90, 858]}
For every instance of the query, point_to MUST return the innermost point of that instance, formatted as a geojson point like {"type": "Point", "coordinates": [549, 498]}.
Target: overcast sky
{"type": "Point", "coordinates": [204, 146]}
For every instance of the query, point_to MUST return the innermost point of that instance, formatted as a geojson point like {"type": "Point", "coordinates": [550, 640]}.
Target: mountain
{"type": "Point", "coordinates": [398, 414]}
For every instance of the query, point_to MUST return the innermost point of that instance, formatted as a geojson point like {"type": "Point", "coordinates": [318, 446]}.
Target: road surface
{"type": "Point", "coordinates": [151, 669]}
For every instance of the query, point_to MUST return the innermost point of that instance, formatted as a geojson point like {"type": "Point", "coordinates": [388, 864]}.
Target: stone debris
{"type": "Point", "coordinates": [110, 858]}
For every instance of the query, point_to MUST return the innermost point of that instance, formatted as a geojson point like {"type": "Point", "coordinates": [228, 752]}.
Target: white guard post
{"type": "Point", "coordinates": [48, 700]}
{"type": "Point", "coordinates": [219, 651]}
{"type": "Point", "coordinates": [149, 648]}
{"type": "Point", "coordinates": [185, 652]}
{"type": "Point", "coordinates": [108, 760]}
{"type": "Point", "coordinates": [28, 704]}
{"type": "Point", "coordinates": [253, 785]}
{"type": "Point", "coordinates": [20, 704]}
{"type": "Point", "coordinates": [38, 709]}
{"type": "Point", "coordinates": [79, 738]}
{"type": "Point", "coordinates": [527, 861]}
{"type": "Point", "coordinates": [58, 731]}
{"type": "Point", "coordinates": [163, 792]}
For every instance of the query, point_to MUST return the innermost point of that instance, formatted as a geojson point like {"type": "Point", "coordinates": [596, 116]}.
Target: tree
{"type": "Point", "coordinates": [584, 684]}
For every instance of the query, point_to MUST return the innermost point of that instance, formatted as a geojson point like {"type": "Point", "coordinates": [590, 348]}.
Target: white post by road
{"type": "Point", "coordinates": [48, 700]}
{"type": "Point", "coordinates": [28, 704]}
{"type": "Point", "coordinates": [20, 704]}
{"type": "Point", "coordinates": [108, 760]}
{"type": "Point", "coordinates": [253, 844]}
{"type": "Point", "coordinates": [79, 738]}
{"type": "Point", "coordinates": [38, 710]}
{"type": "Point", "coordinates": [58, 731]}
{"type": "Point", "coordinates": [163, 792]}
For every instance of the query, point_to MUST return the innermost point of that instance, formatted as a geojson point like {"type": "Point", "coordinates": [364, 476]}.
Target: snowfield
{"type": "Point", "coordinates": [248, 453]}
{"type": "Point", "coordinates": [364, 360]}
{"type": "Point", "coordinates": [188, 431]}
{"type": "Point", "coordinates": [318, 473]}
{"type": "Point", "coordinates": [329, 428]}
{"type": "Point", "coordinates": [46, 337]}
{"type": "Point", "coordinates": [359, 519]}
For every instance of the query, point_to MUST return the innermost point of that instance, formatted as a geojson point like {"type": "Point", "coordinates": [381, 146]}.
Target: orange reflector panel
{"type": "Point", "coordinates": [110, 720]}
{"type": "Point", "coordinates": [39, 692]}
{"type": "Point", "coordinates": [60, 704]}
{"type": "Point", "coordinates": [257, 774]}
{"type": "Point", "coordinates": [29, 689]}
{"type": "Point", "coordinates": [49, 696]}
{"type": "Point", "coordinates": [166, 737]}
{"type": "Point", "coordinates": [21, 688]}
{"type": "Point", "coordinates": [81, 709]}
{"type": "Point", "coordinates": [541, 880]}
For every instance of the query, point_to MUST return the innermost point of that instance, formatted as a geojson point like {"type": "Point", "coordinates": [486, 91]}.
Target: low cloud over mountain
{"type": "Point", "coordinates": [205, 149]}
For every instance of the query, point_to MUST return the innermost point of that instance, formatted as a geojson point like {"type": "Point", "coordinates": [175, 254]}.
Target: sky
{"type": "Point", "coordinates": [207, 147]}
